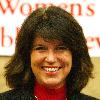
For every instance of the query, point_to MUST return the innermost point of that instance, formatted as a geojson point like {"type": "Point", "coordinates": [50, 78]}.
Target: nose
{"type": "Point", "coordinates": [51, 57]}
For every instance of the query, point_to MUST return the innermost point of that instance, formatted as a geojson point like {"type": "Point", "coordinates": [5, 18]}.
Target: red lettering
{"type": "Point", "coordinates": [93, 42]}
{"type": "Point", "coordinates": [90, 40]}
{"type": "Point", "coordinates": [29, 9]}
{"type": "Point", "coordinates": [6, 40]}
{"type": "Point", "coordinates": [76, 9]}
{"type": "Point", "coordinates": [90, 9]}
{"type": "Point", "coordinates": [73, 9]}
{"type": "Point", "coordinates": [98, 41]}
{"type": "Point", "coordinates": [9, 6]}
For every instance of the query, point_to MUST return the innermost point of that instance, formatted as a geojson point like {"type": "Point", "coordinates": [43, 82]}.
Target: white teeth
{"type": "Point", "coordinates": [51, 69]}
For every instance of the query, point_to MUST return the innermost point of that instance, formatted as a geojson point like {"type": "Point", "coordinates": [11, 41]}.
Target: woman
{"type": "Point", "coordinates": [51, 60]}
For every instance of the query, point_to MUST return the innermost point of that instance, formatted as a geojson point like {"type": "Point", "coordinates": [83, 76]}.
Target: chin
{"type": "Point", "coordinates": [53, 84]}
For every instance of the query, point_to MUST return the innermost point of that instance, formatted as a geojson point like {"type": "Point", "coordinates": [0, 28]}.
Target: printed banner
{"type": "Point", "coordinates": [13, 13]}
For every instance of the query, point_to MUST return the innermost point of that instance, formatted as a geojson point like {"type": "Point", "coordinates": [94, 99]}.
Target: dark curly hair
{"type": "Point", "coordinates": [50, 23]}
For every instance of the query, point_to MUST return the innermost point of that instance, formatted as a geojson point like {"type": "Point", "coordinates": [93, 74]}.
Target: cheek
{"type": "Point", "coordinates": [66, 60]}
{"type": "Point", "coordinates": [36, 59]}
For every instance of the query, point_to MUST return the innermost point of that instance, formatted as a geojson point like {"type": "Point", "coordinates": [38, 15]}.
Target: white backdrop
{"type": "Point", "coordinates": [13, 13]}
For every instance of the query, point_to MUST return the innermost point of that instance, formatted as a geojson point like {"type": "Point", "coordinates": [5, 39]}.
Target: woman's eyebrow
{"type": "Point", "coordinates": [38, 46]}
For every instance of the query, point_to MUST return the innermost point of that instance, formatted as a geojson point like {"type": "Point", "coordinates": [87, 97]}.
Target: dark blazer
{"type": "Point", "coordinates": [20, 94]}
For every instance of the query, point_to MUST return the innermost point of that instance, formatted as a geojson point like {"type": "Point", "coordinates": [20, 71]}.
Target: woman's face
{"type": "Point", "coordinates": [51, 62]}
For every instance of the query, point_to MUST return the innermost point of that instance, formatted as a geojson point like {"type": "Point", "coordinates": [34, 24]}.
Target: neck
{"type": "Point", "coordinates": [44, 93]}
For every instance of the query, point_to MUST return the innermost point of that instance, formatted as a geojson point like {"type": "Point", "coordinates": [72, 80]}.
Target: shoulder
{"type": "Point", "coordinates": [16, 94]}
{"type": "Point", "coordinates": [81, 96]}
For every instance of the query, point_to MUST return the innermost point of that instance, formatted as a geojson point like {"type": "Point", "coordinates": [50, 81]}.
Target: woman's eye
{"type": "Point", "coordinates": [39, 48]}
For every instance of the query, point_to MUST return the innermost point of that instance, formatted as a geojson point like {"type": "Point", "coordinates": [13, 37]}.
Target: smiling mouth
{"type": "Point", "coordinates": [51, 69]}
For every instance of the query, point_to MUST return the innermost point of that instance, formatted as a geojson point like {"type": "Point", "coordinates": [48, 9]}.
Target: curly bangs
{"type": "Point", "coordinates": [52, 23]}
